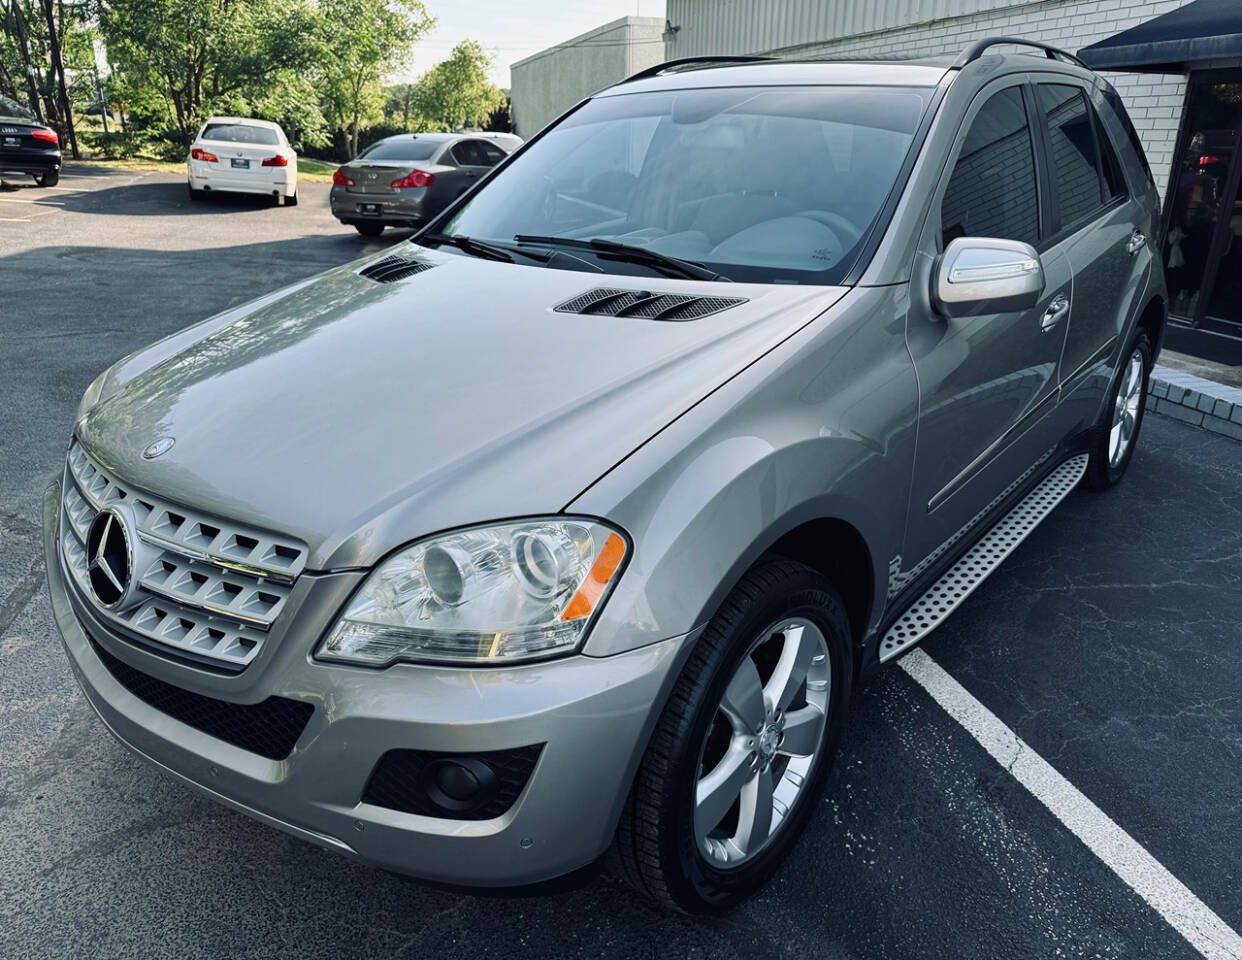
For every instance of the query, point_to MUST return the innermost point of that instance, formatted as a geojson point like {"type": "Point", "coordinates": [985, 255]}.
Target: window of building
{"type": "Point", "coordinates": [992, 191]}
{"type": "Point", "coordinates": [1072, 156]}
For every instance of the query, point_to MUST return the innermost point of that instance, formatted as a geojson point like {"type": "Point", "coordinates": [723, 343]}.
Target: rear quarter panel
{"type": "Point", "coordinates": [821, 427]}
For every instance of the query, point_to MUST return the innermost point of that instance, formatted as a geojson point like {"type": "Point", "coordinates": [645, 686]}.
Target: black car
{"type": "Point", "coordinates": [405, 180]}
{"type": "Point", "coordinates": [27, 146]}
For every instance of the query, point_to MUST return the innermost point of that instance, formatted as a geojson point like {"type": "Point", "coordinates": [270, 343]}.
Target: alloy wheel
{"type": "Point", "coordinates": [1126, 409]}
{"type": "Point", "coordinates": [763, 742]}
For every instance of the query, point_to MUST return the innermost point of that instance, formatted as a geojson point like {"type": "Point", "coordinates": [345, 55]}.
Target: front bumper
{"type": "Point", "coordinates": [593, 716]}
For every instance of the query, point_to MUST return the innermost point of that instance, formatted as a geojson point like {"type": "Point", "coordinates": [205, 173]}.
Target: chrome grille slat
{"type": "Point", "coordinates": [215, 587]}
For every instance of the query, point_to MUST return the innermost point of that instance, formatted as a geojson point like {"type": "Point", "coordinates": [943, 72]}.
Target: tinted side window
{"type": "Point", "coordinates": [1073, 161]}
{"type": "Point", "coordinates": [1114, 179]}
{"type": "Point", "coordinates": [468, 153]}
{"type": "Point", "coordinates": [1113, 99]}
{"type": "Point", "coordinates": [492, 153]}
{"type": "Point", "coordinates": [991, 191]}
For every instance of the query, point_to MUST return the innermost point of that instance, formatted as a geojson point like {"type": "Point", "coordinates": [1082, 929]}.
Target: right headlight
{"type": "Point", "coordinates": [496, 594]}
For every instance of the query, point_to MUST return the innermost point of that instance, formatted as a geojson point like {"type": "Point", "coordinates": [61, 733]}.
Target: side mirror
{"type": "Point", "coordinates": [980, 275]}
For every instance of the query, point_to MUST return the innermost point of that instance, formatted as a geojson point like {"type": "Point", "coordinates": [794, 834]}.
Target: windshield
{"type": "Point", "coordinates": [401, 148]}
{"type": "Point", "coordinates": [763, 184]}
{"type": "Point", "coordinates": [240, 133]}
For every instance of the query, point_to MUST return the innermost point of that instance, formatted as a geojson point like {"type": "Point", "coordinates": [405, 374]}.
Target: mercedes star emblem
{"type": "Point", "coordinates": [110, 566]}
{"type": "Point", "coordinates": [158, 448]}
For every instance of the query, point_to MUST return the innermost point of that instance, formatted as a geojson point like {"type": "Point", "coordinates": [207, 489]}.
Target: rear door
{"type": "Point", "coordinates": [1098, 221]}
{"type": "Point", "coordinates": [471, 159]}
{"type": "Point", "coordinates": [987, 383]}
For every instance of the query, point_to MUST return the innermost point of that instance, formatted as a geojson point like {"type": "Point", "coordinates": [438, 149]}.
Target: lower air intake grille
{"type": "Point", "coordinates": [393, 268]}
{"type": "Point", "coordinates": [613, 302]}
{"type": "Point", "coordinates": [405, 780]}
{"type": "Point", "coordinates": [270, 728]}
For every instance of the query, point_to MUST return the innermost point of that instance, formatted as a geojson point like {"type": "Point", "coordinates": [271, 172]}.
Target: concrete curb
{"type": "Point", "coordinates": [1195, 400]}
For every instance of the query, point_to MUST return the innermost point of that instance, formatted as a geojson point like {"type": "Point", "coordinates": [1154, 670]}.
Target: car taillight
{"type": "Point", "coordinates": [416, 178]}
{"type": "Point", "coordinates": [41, 133]}
{"type": "Point", "coordinates": [200, 154]}
{"type": "Point", "coordinates": [280, 160]}
{"type": "Point", "coordinates": [340, 179]}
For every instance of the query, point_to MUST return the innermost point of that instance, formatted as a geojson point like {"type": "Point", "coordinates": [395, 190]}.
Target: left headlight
{"type": "Point", "coordinates": [496, 594]}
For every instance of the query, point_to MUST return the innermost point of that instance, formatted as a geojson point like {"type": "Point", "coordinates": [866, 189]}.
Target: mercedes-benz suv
{"type": "Point", "coordinates": [572, 524]}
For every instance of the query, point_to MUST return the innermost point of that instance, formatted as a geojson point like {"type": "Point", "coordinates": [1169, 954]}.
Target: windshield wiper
{"type": "Point", "coordinates": [630, 253]}
{"type": "Point", "coordinates": [478, 248]}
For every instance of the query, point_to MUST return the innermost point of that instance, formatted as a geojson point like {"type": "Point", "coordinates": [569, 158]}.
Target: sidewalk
{"type": "Point", "coordinates": [1176, 392]}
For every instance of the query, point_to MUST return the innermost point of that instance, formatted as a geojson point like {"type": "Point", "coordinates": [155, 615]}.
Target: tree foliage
{"type": "Point", "coordinates": [316, 67]}
{"type": "Point", "coordinates": [456, 92]}
{"type": "Point", "coordinates": [365, 41]}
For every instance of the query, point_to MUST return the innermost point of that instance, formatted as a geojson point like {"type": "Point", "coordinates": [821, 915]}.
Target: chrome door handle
{"type": "Point", "coordinates": [1136, 242]}
{"type": "Point", "coordinates": [1055, 313]}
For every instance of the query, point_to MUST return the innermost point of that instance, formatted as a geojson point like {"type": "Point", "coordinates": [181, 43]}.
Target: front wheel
{"type": "Point", "coordinates": [1117, 433]}
{"type": "Point", "coordinates": [743, 747]}
{"type": "Point", "coordinates": [369, 229]}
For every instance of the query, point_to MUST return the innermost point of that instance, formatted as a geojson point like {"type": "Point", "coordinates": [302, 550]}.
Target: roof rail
{"type": "Point", "coordinates": [980, 47]}
{"type": "Point", "coordinates": [660, 68]}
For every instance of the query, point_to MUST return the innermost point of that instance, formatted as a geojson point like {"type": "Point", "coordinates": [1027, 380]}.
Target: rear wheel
{"type": "Point", "coordinates": [291, 200]}
{"type": "Point", "coordinates": [369, 229]}
{"type": "Point", "coordinates": [1117, 433]}
{"type": "Point", "coordinates": [743, 746]}
{"type": "Point", "coordinates": [49, 179]}
{"type": "Point", "coordinates": [196, 196]}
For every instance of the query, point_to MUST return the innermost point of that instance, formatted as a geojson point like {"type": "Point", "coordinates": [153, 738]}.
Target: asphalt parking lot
{"type": "Point", "coordinates": [1109, 643]}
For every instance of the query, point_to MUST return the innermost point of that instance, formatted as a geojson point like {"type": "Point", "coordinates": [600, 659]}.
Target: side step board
{"type": "Point", "coordinates": [960, 580]}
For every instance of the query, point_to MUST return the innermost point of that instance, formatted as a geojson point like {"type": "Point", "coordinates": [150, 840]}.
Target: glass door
{"type": "Point", "coordinates": [1204, 178]}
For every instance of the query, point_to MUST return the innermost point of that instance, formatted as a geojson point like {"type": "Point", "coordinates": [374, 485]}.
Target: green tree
{"type": "Point", "coordinates": [456, 92]}
{"type": "Point", "coordinates": [204, 55]}
{"type": "Point", "coordinates": [364, 41]}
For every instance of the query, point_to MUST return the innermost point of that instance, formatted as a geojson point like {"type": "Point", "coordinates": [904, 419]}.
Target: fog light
{"type": "Point", "coordinates": [459, 784]}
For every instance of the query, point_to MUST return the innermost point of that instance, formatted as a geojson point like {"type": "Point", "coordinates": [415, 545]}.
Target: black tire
{"type": "Point", "coordinates": [369, 229]}
{"type": "Point", "coordinates": [49, 179]}
{"type": "Point", "coordinates": [1102, 471]}
{"type": "Point", "coordinates": [291, 200]}
{"type": "Point", "coordinates": [655, 850]}
{"type": "Point", "coordinates": [196, 196]}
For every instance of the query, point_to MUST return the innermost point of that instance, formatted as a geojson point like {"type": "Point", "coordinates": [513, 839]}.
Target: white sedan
{"type": "Point", "coordinates": [236, 155]}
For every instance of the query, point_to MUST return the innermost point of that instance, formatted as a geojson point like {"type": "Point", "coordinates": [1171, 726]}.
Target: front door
{"type": "Point", "coordinates": [987, 383]}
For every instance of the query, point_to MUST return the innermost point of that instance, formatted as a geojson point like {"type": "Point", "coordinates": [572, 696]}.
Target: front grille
{"type": "Point", "coordinates": [612, 302]}
{"type": "Point", "coordinates": [207, 588]}
{"type": "Point", "coordinates": [398, 781]}
{"type": "Point", "coordinates": [270, 728]}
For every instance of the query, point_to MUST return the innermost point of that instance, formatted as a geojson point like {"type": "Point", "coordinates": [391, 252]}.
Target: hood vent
{"type": "Point", "coordinates": [612, 302]}
{"type": "Point", "coordinates": [393, 268]}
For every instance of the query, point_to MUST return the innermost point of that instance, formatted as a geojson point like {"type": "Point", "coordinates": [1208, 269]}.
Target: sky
{"type": "Point", "coordinates": [513, 29]}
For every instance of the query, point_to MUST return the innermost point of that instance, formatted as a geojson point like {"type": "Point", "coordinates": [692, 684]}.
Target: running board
{"type": "Point", "coordinates": [960, 581]}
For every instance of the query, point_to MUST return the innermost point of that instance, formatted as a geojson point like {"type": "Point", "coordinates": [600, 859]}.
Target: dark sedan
{"type": "Point", "coordinates": [405, 180]}
{"type": "Point", "coordinates": [27, 146]}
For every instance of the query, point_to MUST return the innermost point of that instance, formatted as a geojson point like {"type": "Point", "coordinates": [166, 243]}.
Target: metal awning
{"type": "Point", "coordinates": [1173, 43]}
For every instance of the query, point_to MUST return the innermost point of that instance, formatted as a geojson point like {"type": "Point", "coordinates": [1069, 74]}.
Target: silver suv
{"type": "Point", "coordinates": [572, 524]}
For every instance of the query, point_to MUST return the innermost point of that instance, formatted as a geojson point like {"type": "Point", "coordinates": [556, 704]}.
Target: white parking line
{"type": "Point", "coordinates": [52, 203]}
{"type": "Point", "coordinates": [1120, 852]}
{"type": "Point", "coordinates": [14, 219]}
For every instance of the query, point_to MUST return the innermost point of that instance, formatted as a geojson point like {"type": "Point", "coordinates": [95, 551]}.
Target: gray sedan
{"type": "Point", "coordinates": [405, 180]}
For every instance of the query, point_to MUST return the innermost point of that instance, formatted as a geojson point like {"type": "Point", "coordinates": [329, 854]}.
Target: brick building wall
{"type": "Point", "coordinates": [1153, 101]}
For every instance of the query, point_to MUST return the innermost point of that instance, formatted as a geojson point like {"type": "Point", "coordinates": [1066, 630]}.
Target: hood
{"type": "Point", "coordinates": [357, 415]}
